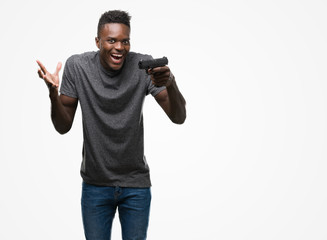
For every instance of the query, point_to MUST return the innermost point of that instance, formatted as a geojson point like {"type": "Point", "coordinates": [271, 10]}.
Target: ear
{"type": "Point", "coordinates": [97, 42]}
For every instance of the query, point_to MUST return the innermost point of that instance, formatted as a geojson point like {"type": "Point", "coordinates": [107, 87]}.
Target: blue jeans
{"type": "Point", "coordinates": [99, 206]}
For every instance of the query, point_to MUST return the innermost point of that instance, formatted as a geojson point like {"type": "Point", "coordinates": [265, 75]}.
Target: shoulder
{"type": "Point", "coordinates": [80, 59]}
{"type": "Point", "coordinates": [136, 57]}
{"type": "Point", "coordinates": [78, 63]}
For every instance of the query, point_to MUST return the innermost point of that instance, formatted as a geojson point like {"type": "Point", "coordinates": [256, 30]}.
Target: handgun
{"type": "Point", "coordinates": [153, 63]}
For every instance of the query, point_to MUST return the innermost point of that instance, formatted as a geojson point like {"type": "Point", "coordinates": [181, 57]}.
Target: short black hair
{"type": "Point", "coordinates": [114, 16]}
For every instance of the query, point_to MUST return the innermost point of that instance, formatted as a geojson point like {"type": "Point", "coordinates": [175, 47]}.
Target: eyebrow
{"type": "Point", "coordinates": [114, 38]}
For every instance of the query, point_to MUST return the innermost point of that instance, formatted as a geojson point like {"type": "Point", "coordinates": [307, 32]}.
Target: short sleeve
{"type": "Point", "coordinates": [68, 87]}
{"type": "Point", "coordinates": [152, 89]}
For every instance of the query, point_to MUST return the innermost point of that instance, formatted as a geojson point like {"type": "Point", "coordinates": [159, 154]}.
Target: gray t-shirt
{"type": "Point", "coordinates": [111, 103]}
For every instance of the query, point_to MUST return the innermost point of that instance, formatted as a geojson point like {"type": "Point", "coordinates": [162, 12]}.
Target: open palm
{"type": "Point", "coordinates": [52, 80]}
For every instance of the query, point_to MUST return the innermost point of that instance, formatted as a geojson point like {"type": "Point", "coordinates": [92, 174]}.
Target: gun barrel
{"type": "Point", "coordinates": [153, 63]}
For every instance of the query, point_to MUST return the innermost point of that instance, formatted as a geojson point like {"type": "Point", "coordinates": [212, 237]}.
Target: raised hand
{"type": "Point", "coordinates": [51, 80]}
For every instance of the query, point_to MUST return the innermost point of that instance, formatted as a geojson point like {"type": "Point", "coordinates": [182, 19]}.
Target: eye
{"type": "Point", "coordinates": [126, 42]}
{"type": "Point", "coordinates": [111, 41]}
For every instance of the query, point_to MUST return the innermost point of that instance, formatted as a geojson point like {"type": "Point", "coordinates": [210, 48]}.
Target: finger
{"type": "Point", "coordinates": [40, 73]}
{"type": "Point", "coordinates": [159, 80]}
{"type": "Point", "coordinates": [160, 73]}
{"type": "Point", "coordinates": [58, 68]}
{"type": "Point", "coordinates": [44, 70]}
{"type": "Point", "coordinates": [46, 80]}
{"type": "Point", "coordinates": [159, 69]}
{"type": "Point", "coordinates": [162, 77]}
{"type": "Point", "coordinates": [159, 84]}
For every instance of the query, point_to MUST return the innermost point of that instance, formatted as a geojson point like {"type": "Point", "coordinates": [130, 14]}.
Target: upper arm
{"type": "Point", "coordinates": [70, 105]}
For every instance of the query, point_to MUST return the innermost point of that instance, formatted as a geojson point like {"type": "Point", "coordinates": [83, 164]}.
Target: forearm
{"type": "Point", "coordinates": [61, 120]}
{"type": "Point", "coordinates": [177, 109]}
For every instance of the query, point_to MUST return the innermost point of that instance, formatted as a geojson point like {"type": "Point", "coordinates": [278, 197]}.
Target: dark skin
{"type": "Point", "coordinates": [113, 43]}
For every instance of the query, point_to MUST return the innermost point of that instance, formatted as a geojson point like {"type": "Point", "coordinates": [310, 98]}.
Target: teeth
{"type": "Point", "coordinates": [117, 55]}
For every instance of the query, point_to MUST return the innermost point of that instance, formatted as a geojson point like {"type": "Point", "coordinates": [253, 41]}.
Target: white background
{"type": "Point", "coordinates": [249, 162]}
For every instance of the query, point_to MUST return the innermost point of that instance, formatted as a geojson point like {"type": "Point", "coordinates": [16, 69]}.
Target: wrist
{"type": "Point", "coordinates": [53, 92]}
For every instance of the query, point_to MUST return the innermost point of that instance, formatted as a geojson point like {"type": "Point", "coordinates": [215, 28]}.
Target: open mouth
{"type": "Point", "coordinates": [117, 58]}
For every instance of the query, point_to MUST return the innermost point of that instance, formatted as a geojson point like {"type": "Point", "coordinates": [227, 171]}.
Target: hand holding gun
{"type": "Point", "coordinates": [153, 63]}
{"type": "Point", "coordinates": [170, 99]}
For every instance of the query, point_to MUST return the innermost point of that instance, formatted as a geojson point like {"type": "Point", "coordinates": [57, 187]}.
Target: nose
{"type": "Point", "coordinates": [118, 45]}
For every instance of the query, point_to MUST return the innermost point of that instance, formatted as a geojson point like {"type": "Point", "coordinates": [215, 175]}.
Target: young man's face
{"type": "Point", "coordinates": [113, 42]}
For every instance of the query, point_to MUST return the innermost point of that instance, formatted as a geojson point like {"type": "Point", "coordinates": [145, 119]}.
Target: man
{"type": "Point", "coordinates": [111, 90]}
